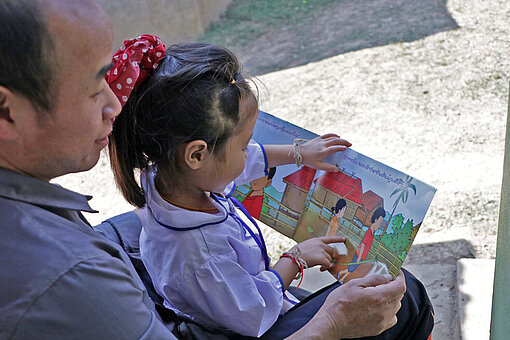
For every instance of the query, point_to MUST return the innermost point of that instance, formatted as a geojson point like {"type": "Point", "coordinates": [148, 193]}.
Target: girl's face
{"type": "Point", "coordinates": [229, 163]}
{"type": "Point", "coordinates": [341, 212]}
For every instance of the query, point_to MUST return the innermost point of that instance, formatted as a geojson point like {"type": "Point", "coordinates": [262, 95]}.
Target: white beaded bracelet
{"type": "Point", "coordinates": [295, 151]}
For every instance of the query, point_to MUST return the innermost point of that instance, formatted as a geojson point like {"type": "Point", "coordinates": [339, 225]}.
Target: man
{"type": "Point", "coordinates": [59, 278]}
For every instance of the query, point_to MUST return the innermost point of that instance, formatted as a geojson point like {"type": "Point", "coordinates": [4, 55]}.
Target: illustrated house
{"type": "Point", "coordinates": [297, 188]}
{"type": "Point", "coordinates": [372, 202]}
{"type": "Point", "coordinates": [332, 186]}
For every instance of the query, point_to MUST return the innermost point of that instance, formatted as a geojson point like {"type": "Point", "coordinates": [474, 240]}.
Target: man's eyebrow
{"type": "Point", "coordinates": [103, 70]}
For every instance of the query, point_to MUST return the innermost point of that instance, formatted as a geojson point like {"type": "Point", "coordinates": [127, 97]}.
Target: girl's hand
{"type": "Point", "coordinates": [315, 150]}
{"type": "Point", "coordinates": [316, 251]}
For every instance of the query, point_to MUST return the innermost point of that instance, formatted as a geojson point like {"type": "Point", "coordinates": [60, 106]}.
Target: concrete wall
{"type": "Point", "coordinates": [171, 20]}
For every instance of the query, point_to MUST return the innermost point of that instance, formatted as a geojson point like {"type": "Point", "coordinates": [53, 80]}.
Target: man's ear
{"type": "Point", "coordinates": [7, 108]}
{"type": "Point", "coordinates": [195, 154]}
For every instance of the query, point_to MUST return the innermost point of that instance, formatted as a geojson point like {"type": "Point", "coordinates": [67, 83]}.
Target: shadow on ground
{"type": "Point", "coordinates": [335, 29]}
{"type": "Point", "coordinates": [447, 252]}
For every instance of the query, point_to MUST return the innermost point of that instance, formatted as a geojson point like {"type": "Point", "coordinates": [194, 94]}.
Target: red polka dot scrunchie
{"type": "Point", "coordinates": [132, 63]}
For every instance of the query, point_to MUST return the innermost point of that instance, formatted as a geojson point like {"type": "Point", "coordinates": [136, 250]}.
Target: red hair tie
{"type": "Point", "coordinates": [132, 63]}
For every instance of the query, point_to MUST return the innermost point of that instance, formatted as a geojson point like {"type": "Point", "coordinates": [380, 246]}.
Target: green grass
{"type": "Point", "coordinates": [245, 20]}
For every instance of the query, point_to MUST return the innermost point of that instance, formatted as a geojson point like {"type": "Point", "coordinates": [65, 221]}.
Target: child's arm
{"type": "Point", "coordinates": [315, 251]}
{"type": "Point", "coordinates": [313, 152]}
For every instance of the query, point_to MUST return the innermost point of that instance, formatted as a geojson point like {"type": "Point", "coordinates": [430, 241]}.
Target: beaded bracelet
{"type": "Point", "coordinates": [295, 255]}
{"type": "Point", "coordinates": [296, 153]}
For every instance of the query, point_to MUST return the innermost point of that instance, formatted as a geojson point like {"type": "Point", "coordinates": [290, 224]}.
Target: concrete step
{"type": "Point", "coordinates": [475, 282]}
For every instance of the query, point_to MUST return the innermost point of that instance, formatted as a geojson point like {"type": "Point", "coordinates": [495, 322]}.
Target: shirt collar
{"type": "Point", "coordinates": [174, 217]}
{"type": "Point", "coordinates": [31, 190]}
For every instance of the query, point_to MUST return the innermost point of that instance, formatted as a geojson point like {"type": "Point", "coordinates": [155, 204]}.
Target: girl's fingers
{"type": "Point", "coordinates": [332, 149]}
{"type": "Point", "coordinates": [330, 251]}
{"type": "Point", "coordinates": [328, 135]}
{"type": "Point", "coordinates": [332, 239]}
{"type": "Point", "coordinates": [336, 141]}
{"type": "Point", "coordinates": [326, 167]}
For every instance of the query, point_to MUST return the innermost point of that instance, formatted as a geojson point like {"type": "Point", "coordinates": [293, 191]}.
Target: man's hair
{"type": "Point", "coordinates": [27, 50]}
{"type": "Point", "coordinates": [271, 173]}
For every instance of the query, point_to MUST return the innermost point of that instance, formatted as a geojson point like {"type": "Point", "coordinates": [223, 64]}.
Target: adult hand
{"type": "Point", "coordinates": [317, 251]}
{"type": "Point", "coordinates": [361, 307]}
{"type": "Point", "coordinates": [315, 150]}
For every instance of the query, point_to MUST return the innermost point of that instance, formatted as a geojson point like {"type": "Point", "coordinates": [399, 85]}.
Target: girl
{"type": "Point", "coordinates": [338, 210]}
{"type": "Point", "coordinates": [187, 126]}
{"type": "Point", "coordinates": [339, 249]}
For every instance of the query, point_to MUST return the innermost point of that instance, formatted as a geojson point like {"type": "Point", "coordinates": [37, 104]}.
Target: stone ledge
{"type": "Point", "coordinates": [475, 281]}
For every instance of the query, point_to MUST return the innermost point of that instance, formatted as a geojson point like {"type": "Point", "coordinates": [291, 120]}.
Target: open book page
{"type": "Point", "coordinates": [277, 200]}
{"type": "Point", "coordinates": [377, 208]}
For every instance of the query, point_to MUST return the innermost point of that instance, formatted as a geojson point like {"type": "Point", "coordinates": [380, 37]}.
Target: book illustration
{"type": "Point", "coordinates": [376, 208]}
{"type": "Point", "coordinates": [254, 200]}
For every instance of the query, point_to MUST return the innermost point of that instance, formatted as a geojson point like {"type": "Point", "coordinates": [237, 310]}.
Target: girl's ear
{"type": "Point", "coordinates": [195, 154]}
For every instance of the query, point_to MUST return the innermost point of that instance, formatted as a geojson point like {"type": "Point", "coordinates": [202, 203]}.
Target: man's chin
{"type": "Point", "coordinates": [85, 165]}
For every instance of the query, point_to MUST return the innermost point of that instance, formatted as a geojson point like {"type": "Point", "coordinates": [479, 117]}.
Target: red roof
{"type": "Point", "coordinates": [343, 185]}
{"type": "Point", "coordinates": [302, 178]}
{"type": "Point", "coordinates": [371, 200]}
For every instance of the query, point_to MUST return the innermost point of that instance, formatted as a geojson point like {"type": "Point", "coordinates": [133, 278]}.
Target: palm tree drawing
{"type": "Point", "coordinates": [403, 195]}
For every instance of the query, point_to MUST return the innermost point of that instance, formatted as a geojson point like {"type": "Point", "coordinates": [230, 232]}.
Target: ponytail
{"type": "Point", "coordinates": [126, 155]}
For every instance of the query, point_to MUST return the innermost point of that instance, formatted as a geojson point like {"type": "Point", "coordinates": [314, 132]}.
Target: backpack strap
{"type": "Point", "coordinates": [125, 230]}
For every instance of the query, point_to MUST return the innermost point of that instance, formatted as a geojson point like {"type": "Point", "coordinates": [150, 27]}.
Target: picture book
{"type": "Point", "coordinates": [376, 208]}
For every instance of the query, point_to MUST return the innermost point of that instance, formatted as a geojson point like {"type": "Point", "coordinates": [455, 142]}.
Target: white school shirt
{"type": "Point", "coordinates": [208, 266]}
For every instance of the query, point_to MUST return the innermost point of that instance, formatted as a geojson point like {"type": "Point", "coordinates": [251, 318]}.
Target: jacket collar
{"type": "Point", "coordinates": [23, 188]}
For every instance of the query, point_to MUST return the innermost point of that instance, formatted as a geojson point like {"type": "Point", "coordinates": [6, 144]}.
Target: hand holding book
{"type": "Point", "coordinates": [313, 152]}
{"type": "Point", "coordinates": [316, 150]}
{"type": "Point", "coordinates": [309, 253]}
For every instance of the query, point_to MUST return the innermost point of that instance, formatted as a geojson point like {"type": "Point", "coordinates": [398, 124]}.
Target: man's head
{"type": "Point", "coordinates": [27, 52]}
{"type": "Point", "coordinates": [377, 218]}
{"type": "Point", "coordinates": [56, 110]}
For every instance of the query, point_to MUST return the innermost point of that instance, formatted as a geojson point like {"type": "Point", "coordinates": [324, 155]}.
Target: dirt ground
{"type": "Point", "coordinates": [419, 85]}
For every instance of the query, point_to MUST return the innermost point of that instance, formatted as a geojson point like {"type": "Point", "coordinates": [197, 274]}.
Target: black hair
{"type": "Point", "coordinates": [338, 206]}
{"type": "Point", "coordinates": [27, 50]}
{"type": "Point", "coordinates": [271, 172]}
{"type": "Point", "coordinates": [194, 94]}
{"type": "Point", "coordinates": [379, 212]}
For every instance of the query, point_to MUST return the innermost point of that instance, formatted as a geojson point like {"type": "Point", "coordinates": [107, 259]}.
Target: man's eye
{"type": "Point", "coordinates": [98, 93]}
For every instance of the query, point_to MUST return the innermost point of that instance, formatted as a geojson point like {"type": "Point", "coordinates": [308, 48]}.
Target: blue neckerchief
{"type": "Point", "coordinates": [260, 242]}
